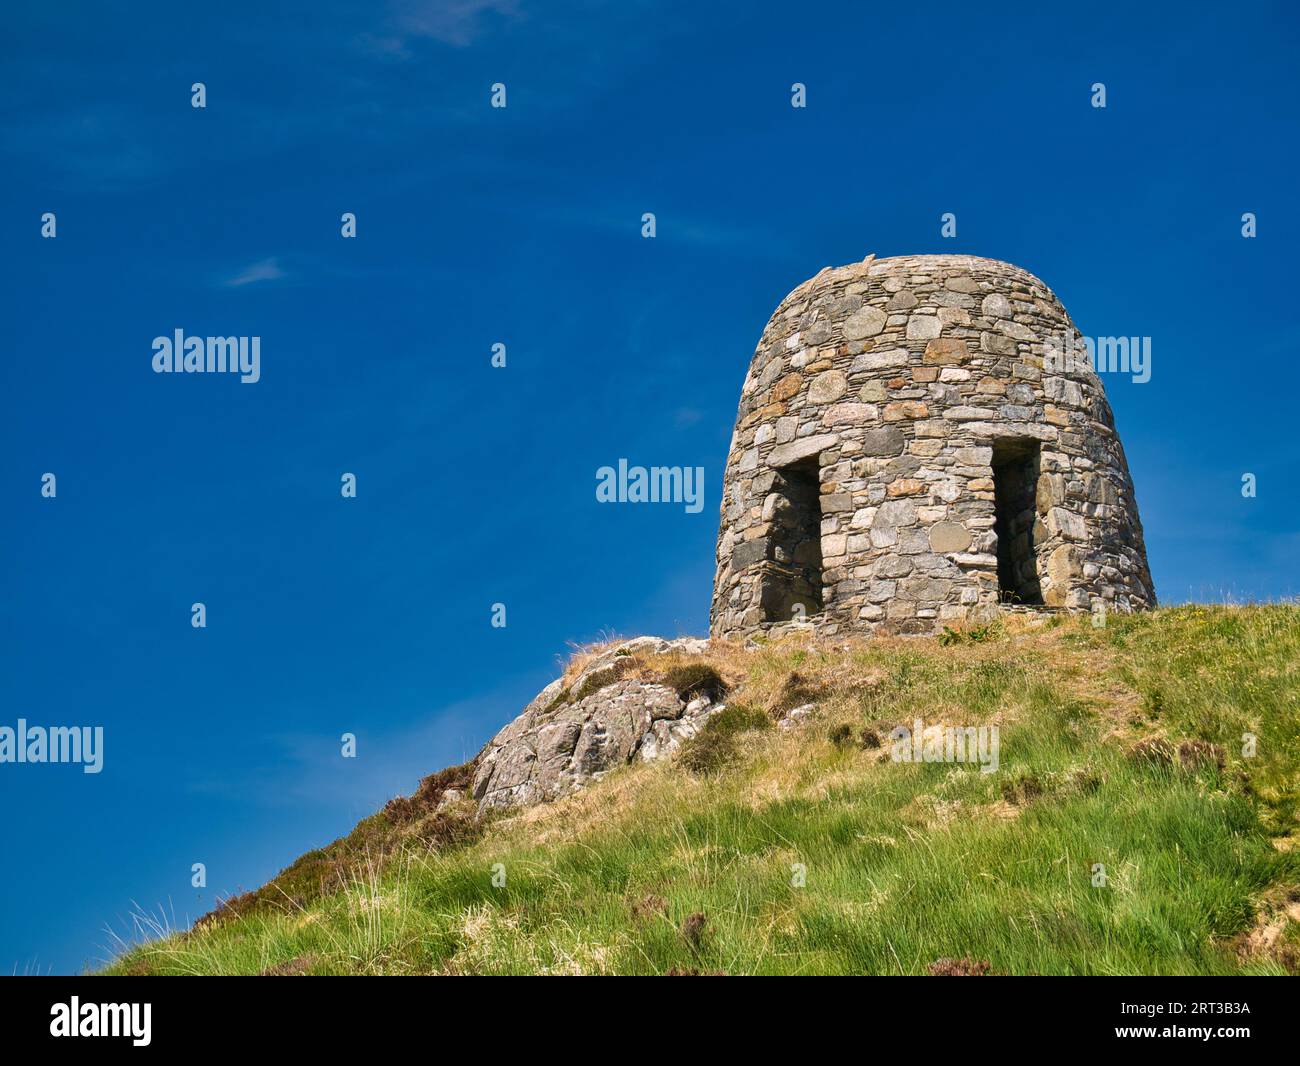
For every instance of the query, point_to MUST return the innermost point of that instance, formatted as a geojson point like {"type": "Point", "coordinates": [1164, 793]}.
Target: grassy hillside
{"type": "Point", "coordinates": [1120, 746]}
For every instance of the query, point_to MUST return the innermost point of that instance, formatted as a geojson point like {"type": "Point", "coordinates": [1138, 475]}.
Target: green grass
{"type": "Point", "coordinates": [811, 855]}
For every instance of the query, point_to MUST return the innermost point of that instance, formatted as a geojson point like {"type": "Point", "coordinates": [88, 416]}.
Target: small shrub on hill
{"type": "Point", "coordinates": [714, 746]}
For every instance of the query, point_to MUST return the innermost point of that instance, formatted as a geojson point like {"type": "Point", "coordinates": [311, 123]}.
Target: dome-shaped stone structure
{"type": "Point", "coordinates": [911, 448]}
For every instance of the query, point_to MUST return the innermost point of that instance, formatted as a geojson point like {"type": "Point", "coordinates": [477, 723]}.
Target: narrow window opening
{"type": "Point", "coordinates": [792, 581]}
{"type": "Point", "coordinates": [1015, 491]}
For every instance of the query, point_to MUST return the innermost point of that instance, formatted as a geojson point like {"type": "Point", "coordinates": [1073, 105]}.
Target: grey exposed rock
{"type": "Point", "coordinates": [559, 744]}
{"type": "Point", "coordinates": [797, 715]}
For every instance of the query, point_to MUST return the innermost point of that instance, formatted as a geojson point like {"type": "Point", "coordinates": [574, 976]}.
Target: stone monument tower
{"type": "Point", "coordinates": [919, 442]}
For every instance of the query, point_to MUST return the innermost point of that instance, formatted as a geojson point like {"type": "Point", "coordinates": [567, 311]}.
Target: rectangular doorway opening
{"type": "Point", "coordinates": [1015, 494]}
{"type": "Point", "coordinates": [792, 578]}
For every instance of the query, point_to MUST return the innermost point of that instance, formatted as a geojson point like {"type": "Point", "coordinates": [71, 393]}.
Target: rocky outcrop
{"type": "Point", "coordinates": [573, 734]}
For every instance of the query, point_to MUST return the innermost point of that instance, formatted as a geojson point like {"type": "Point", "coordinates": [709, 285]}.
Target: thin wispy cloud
{"type": "Point", "coordinates": [458, 23]}
{"type": "Point", "coordinates": [262, 270]}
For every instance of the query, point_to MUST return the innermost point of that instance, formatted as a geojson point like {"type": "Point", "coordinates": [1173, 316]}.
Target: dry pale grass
{"type": "Point", "coordinates": [834, 674]}
{"type": "Point", "coordinates": [607, 874]}
{"type": "Point", "coordinates": [1269, 940]}
{"type": "Point", "coordinates": [583, 655]}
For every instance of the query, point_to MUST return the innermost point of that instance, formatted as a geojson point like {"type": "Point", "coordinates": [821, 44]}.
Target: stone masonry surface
{"type": "Point", "coordinates": [909, 399]}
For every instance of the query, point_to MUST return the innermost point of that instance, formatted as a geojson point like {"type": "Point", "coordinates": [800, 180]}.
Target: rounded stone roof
{"type": "Point", "coordinates": [873, 268]}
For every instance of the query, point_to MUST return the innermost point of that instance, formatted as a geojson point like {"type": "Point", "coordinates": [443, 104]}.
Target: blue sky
{"type": "Point", "coordinates": [522, 226]}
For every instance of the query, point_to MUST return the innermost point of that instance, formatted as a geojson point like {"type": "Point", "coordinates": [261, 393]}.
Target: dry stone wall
{"type": "Point", "coordinates": [955, 468]}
